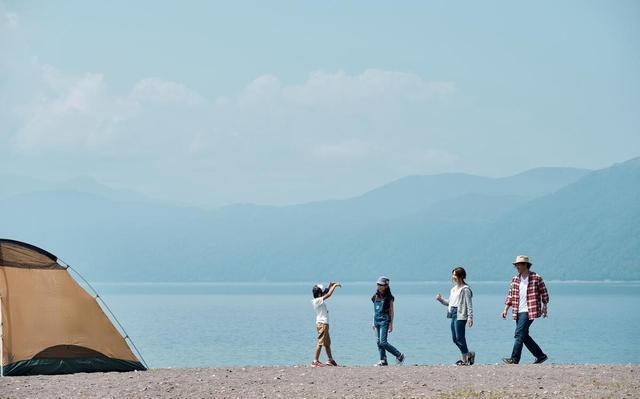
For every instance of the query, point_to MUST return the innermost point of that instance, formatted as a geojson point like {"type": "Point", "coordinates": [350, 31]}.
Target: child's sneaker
{"type": "Point", "coordinates": [331, 362]}
{"type": "Point", "coordinates": [316, 363]}
{"type": "Point", "coordinates": [381, 363]}
{"type": "Point", "coordinates": [400, 359]}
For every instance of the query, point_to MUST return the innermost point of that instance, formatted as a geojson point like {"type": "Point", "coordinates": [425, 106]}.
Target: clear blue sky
{"type": "Point", "coordinates": [284, 102]}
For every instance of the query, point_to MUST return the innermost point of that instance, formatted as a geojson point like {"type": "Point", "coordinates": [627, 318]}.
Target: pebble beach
{"type": "Point", "coordinates": [408, 381]}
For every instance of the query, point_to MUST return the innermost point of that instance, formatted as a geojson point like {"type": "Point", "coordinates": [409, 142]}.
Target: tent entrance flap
{"type": "Point", "coordinates": [68, 351]}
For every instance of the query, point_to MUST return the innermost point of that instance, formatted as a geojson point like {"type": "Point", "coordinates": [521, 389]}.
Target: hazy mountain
{"type": "Point", "coordinates": [416, 193]}
{"type": "Point", "coordinates": [16, 185]}
{"type": "Point", "coordinates": [575, 223]}
{"type": "Point", "coordinates": [587, 230]}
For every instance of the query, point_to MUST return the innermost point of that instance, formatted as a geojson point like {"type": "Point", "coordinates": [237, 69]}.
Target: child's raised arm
{"type": "Point", "coordinates": [332, 287]}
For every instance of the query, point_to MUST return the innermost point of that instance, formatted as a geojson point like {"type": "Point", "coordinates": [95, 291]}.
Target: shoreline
{"type": "Point", "coordinates": [441, 382]}
{"type": "Point", "coordinates": [358, 282]}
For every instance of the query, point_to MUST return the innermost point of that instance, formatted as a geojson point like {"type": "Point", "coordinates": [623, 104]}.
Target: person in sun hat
{"type": "Point", "coordinates": [529, 298]}
{"type": "Point", "coordinates": [320, 295]}
{"type": "Point", "coordinates": [383, 321]}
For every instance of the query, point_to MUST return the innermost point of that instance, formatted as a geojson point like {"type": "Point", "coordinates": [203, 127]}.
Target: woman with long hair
{"type": "Point", "coordinates": [460, 311]}
{"type": "Point", "coordinates": [383, 321]}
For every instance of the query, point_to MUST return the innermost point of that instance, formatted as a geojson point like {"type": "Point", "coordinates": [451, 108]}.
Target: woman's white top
{"type": "Point", "coordinates": [454, 296]}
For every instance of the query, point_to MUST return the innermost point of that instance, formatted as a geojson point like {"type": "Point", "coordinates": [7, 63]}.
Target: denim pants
{"type": "Point", "coordinates": [382, 329]}
{"type": "Point", "coordinates": [458, 331]}
{"type": "Point", "coordinates": [522, 337]}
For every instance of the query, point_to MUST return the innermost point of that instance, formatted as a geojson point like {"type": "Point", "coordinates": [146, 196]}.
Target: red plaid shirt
{"type": "Point", "coordinates": [536, 294]}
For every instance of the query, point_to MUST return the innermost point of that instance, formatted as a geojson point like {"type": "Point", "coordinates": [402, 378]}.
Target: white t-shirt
{"type": "Point", "coordinates": [522, 303]}
{"type": "Point", "coordinates": [454, 296]}
{"type": "Point", "coordinates": [322, 314]}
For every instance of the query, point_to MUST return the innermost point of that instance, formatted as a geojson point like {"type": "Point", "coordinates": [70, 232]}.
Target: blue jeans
{"type": "Point", "coordinates": [522, 337]}
{"type": "Point", "coordinates": [458, 330]}
{"type": "Point", "coordinates": [382, 329]}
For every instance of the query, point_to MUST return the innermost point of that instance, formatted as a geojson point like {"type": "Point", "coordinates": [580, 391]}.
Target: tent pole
{"type": "Point", "coordinates": [99, 298]}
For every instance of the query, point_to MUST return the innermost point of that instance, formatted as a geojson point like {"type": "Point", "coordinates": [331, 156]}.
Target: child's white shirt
{"type": "Point", "coordinates": [322, 314]}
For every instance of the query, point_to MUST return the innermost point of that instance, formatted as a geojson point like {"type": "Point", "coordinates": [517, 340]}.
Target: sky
{"type": "Point", "coordinates": [213, 103]}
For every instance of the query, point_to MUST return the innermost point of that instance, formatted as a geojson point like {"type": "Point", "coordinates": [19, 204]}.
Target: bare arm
{"type": "Point", "coordinates": [332, 287]}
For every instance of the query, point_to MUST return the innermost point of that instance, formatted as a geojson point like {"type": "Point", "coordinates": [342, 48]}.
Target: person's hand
{"type": "Point", "coordinates": [470, 322]}
{"type": "Point", "coordinates": [390, 327]}
{"type": "Point", "coordinates": [373, 327]}
{"type": "Point", "coordinates": [439, 297]}
{"type": "Point", "coordinates": [338, 284]}
{"type": "Point", "coordinates": [504, 314]}
{"type": "Point", "coordinates": [544, 312]}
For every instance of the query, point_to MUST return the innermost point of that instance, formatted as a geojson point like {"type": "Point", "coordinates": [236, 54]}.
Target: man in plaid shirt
{"type": "Point", "coordinates": [529, 298]}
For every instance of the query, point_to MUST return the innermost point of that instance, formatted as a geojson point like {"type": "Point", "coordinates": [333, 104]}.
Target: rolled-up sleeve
{"type": "Point", "coordinates": [508, 300]}
{"type": "Point", "coordinates": [544, 294]}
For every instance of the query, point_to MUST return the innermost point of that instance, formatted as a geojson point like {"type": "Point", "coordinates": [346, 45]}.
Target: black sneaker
{"type": "Point", "coordinates": [381, 363]}
{"type": "Point", "coordinates": [459, 363]}
{"type": "Point", "coordinates": [509, 360]}
{"type": "Point", "coordinates": [472, 358]}
{"type": "Point", "coordinates": [400, 359]}
{"type": "Point", "coordinates": [540, 359]}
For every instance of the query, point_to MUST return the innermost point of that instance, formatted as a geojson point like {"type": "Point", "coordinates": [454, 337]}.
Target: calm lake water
{"type": "Point", "coordinates": [213, 324]}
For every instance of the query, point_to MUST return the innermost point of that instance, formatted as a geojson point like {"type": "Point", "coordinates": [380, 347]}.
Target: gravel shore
{"type": "Point", "coordinates": [480, 381]}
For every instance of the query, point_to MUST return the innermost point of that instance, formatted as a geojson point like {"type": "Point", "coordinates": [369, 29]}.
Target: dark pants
{"type": "Point", "coordinates": [458, 331]}
{"type": "Point", "coordinates": [522, 337]}
{"type": "Point", "coordinates": [382, 329]}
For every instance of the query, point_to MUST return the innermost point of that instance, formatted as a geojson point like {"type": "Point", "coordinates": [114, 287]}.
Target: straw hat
{"type": "Point", "coordinates": [522, 259]}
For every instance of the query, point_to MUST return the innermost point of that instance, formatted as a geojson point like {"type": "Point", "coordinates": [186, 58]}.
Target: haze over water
{"type": "Point", "coordinates": [217, 324]}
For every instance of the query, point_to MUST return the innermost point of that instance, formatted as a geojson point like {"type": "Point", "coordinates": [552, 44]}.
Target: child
{"type": "Point", "coordinates": [320, 295]}
{"type": "Point", "coordinates": [461, 313]}
{"type": "Point", "coordinates": [383, 321]}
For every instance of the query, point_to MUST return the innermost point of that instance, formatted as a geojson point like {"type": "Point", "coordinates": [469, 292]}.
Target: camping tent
{"type": "Point", "coordinates": [50, 324]}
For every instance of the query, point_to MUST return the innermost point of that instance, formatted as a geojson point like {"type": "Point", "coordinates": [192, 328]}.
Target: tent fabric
{"type": "Point", "coordinates": [17, 254]}
{"type": "Point", "coordinates": [51, 325]}
{"type": "Point", "coordinates": [70, 366]}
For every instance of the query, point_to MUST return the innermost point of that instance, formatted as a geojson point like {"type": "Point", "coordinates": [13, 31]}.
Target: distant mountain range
{"type": "Point", "coordinates": [576, 224]}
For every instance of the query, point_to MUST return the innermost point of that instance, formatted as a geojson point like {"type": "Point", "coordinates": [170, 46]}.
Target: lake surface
{"type": "Point", "coordinates": [215, 324]}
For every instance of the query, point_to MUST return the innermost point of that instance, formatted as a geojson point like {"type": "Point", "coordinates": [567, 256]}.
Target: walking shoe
{"type": "Point", "coordinates": [459, 363]}
{"type": "Point", "coordinates": [540, 359]}
{"type": "Point", "coordinates": [400, 359]}
{"type": "Point", "coordinates": [509, 360]}
{"type": "Point", "coordinates": [472, 358]}
{"type": "Point", "coordinates": [381, 363]}
{"type": "Point", "coordinates": [331, 362]}
{"type": "Point", "coordinates": [316, 363]}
